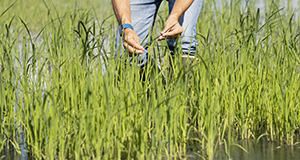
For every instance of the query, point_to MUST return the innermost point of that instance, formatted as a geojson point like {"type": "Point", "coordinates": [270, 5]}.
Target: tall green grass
{"type": "Point", "coordinates": [62, 88]}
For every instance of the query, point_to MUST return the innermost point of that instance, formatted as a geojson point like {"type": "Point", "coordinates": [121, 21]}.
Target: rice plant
{"type": "Point", "coordinates": [65, 95]}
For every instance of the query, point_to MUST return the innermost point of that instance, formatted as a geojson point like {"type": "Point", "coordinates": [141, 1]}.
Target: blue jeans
{"type": "Point", "coordinates": [143, 13]}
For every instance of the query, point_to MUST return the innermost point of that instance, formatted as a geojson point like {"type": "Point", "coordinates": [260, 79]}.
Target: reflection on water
{"type": "Point", "coordinates": [11, 154]}
{"type": "Point", "coordinates": [262, 150]}
{"type": "Point", "coordinates": [252, 150]}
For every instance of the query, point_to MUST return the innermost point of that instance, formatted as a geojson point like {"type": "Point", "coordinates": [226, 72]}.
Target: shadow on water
{"type": "Point", "coordinates": [255, 150]}
{"type": "Point", "coordinates": [261, 150]}
{"type": "Point", "coordinates": [11, 153]}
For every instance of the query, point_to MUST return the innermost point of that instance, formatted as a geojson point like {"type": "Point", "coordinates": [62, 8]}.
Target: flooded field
{"type": "Point", "coordinates": [248, 150]}
{"type": "Point", "coordinates": [64, 96]}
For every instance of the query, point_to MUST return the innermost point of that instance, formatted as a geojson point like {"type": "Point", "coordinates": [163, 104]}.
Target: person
{"type": "Point", "coordinates": [135, 17]}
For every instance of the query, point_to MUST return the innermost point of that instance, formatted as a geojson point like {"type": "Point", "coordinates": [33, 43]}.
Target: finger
{"type": "Point", "coordinates": [161, 38]}
{"type": "Point", "coordinates": [135, 44]}
{"type": "Point", "coordinates": [173, 32]}
{"type": "Point", "coordinates": [169, 35]}
{"type": "Point", "coordinates": [167, 29]}
{"type": "Point", "coordinates": [132, 49]}
{"type": "Point", "coordinates": [164, 30]}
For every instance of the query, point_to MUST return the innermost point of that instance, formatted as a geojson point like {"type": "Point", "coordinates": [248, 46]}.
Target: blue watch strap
{"type": "Point", "coordinates": [126, 25]}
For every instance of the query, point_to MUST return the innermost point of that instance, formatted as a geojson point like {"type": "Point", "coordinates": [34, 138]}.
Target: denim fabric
{"type": "Point", "coordinates": [143, 13]}
{"type": "Point", "coordinates": [188, 22]}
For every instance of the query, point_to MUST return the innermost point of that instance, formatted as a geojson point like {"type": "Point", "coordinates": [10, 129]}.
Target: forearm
{"type": "Point", "coordinates": [180, 7]}
{"type": "Point", "coordinates": [122, 11]}
{"type": "Point", "coordinates": [131, 40]}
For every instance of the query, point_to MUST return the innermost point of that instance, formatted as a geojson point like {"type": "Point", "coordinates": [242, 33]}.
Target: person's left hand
{"type": "Point", "coordinates": [173, 32]}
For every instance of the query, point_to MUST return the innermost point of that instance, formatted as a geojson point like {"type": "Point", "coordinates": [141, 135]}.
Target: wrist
{"type": "Point", "coordinates": [125, 26]}
{"type": "Point", "coordinates": [174, 16]}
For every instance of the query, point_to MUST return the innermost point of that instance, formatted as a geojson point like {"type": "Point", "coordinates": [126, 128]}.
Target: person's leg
{"type": "Point", "coordinates": [188, 22]}
{"type": "Point", "coordinates": [143, 13]}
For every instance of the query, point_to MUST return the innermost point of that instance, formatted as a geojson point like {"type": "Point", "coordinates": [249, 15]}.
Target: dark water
{"type": "Point", "coordinates": [253, 150]}
{"type": "Point", "coordinates": [262, 150]}
{"type": "Point", "coordinates": [11, 154]}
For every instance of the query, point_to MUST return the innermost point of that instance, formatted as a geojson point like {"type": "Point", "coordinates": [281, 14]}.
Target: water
{"type": "Point", "coordinates": [261, 150]}
{"type": "Point", "coordinates": [11, 154]}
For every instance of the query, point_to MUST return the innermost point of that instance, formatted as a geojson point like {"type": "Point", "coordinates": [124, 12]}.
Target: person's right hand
{"type": "Point", "coordinates": [131, 41]}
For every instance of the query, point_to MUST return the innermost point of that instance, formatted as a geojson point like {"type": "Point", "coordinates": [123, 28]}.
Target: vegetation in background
{"type": "Point", "coordinates": [66, 96]}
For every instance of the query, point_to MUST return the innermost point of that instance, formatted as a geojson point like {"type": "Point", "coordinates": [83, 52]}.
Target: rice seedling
{"type": "Point", "coordinates": [64, 94]}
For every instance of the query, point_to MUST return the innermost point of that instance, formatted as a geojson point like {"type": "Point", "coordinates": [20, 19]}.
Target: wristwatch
{"type": "Point", "coordinates": [124, 26]}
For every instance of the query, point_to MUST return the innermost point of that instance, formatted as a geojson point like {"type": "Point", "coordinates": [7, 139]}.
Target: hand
{"type": "Point", "coordinates": [131, 41]}
{"type": "Point", "coordinates": [173, 32]}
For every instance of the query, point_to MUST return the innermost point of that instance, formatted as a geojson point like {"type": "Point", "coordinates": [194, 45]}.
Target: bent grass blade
{"type": "Point", "coordinates": [149, 43]}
